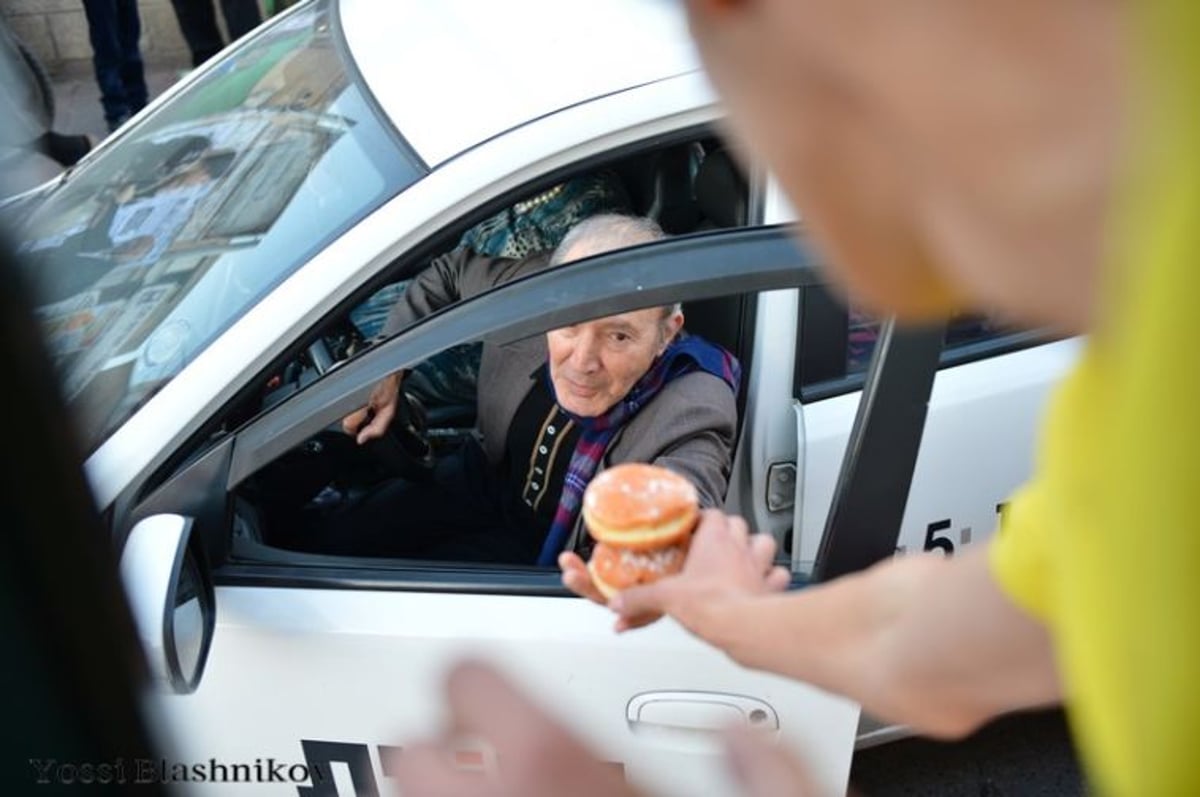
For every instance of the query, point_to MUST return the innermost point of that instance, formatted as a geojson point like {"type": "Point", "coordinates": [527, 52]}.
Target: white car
{"type": "Point", "coordinates": [213, 280]}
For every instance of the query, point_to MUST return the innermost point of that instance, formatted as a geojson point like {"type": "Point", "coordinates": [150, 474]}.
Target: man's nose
{"type": "Point", "coordinates": [585, 354]}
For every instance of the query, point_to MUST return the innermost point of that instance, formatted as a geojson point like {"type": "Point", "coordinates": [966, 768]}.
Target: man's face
{"type": "Point", "coordinates": [594, 364]}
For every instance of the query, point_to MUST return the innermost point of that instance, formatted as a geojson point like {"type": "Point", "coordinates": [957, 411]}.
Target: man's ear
{"type": "Point", "coordinates": [676, 322]}
{"type": "Point", "coordinates": [671, 326]}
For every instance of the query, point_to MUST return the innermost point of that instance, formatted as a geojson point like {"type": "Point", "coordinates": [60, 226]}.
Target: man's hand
{"type": "Point", "coordinates": [578, 579]}
{"type": "Point", "coordinates": [529, 754]}
{"type": "Point", "coordinates": [725, 563]}
{"type": "Point", "coordinates": [373, 420]}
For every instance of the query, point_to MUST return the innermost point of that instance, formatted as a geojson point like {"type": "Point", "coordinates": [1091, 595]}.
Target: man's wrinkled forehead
{"type": "Point", "coordinates": [631, 322]}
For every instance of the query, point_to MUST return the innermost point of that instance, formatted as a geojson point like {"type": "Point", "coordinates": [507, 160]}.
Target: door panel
{"type": "Point", "coordinates": [364, 668]}
{"type": "Point", "coordinates": [977, 448]}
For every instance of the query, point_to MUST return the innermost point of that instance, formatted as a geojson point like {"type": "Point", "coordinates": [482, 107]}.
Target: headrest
{"type": "Point", "coordinates": [660, 186]}
{"type": "Point", "coordinates": [721, 191]}
{"type": "Point", "coordinates": [671, 203]}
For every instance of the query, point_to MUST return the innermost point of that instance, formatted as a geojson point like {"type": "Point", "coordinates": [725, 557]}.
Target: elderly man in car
{"type": "Point", "coordinates": [553, 410]}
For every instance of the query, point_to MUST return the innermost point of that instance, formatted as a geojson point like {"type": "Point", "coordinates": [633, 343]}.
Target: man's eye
{"type": "Point", "coordinates": [620, 337]}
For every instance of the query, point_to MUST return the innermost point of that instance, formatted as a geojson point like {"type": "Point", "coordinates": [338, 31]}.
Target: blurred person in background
{"type": "Point", "coordinates": [1040, 162]}
{"type": "Point", "coordinates": [198, 23]}
{"type": "Point", "coordinates": [114, 29]}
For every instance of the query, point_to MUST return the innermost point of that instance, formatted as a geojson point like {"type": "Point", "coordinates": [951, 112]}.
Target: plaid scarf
{"type": "Point", "coordinates": [687, 353]}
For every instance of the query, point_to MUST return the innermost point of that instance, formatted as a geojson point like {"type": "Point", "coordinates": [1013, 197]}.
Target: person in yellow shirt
{"type": "Point", "coordinates": [1036, 160]}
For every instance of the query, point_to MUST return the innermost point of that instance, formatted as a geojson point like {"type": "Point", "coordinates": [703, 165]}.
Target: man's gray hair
{"type": "Point", "coordinates": [606, 232]}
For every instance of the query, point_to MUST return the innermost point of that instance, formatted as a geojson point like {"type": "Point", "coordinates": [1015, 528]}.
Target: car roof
{"type": "Point", "coordinates": [453, 73]}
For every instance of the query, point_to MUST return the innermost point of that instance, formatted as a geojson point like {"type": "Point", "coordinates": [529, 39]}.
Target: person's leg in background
{"type": "Point", "coordinates": [241, 16]}
{"type": "Point", "coordinates": [133, 73]}
{"type": "Point", "coordinates": [198, 23]}
{"type": "Point", "coordinates": [107, 59]}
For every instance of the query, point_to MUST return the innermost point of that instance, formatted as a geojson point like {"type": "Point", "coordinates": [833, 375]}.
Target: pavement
{"type": "Point", "coordinates": [78, 110]}
{"type": "Point", "coordinates": [1022, 755]}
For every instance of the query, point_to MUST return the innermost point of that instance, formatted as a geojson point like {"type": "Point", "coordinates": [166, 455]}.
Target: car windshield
{"type": "Point", "coordinates": [160, 243]}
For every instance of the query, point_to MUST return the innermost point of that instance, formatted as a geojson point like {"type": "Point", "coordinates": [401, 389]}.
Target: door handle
{"type": "Point", "coordinates": [689, 713]}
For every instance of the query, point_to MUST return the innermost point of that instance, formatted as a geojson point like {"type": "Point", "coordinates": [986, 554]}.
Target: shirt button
{"type": "Point", "coordinates": [549, 430]}
{"type": "Point", "coordinates": [542, 449]}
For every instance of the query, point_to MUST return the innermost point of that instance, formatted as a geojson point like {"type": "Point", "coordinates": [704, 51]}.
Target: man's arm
{"type": "Point", "coordinates": [929, 642]}
{"type": "Point", "coordinates": [435, 287]}
{"type": "Point", "coordinates": [691, 427]}
{"type": "Point", "coordinates": [452, 277]}
{"type": "Point", "coordinates": [449, 278]}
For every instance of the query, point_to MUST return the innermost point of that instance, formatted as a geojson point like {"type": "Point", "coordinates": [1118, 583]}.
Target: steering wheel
{"type": "Point", "coordinates": [404, 448]}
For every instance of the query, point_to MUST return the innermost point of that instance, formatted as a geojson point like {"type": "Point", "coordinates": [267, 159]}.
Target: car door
{"type": "Point", "coordinates": [320, 664]}
{"type": "Point", "coordinates": [978, 447]}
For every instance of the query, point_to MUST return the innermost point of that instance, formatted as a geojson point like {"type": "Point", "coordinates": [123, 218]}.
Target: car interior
{"type": "Point", "coordinates": [687, 187]}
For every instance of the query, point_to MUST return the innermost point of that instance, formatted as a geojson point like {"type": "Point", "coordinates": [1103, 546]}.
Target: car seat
{"type": "Point", "coordinates": [659, 185]}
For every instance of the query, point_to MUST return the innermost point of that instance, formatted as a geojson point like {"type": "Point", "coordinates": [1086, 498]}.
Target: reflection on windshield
{"type": "Point", "coordinates": [162, 242]}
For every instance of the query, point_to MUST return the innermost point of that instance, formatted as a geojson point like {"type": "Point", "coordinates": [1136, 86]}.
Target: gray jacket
{"type": "Point", "coordinates": [688, 427]}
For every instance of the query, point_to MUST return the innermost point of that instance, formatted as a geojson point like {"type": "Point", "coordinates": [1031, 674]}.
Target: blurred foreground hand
{"type": "Point", "coordinates": [529, 754]}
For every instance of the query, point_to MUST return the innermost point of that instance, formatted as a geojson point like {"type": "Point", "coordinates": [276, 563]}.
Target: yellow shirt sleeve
{"type": "Point", "coordinates": [1018, 553]}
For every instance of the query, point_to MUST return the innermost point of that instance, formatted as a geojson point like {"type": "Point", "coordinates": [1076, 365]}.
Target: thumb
{"type": "Point", "coordinates": [352, 422]}
{"type": "Point", "coordinates": [765, 768]}
{"type": "Point", "coordinates": [377, 426]}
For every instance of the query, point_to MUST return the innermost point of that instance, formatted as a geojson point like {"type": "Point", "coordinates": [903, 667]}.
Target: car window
{"type": "Point", "coordinates": [408, 493]}
{"type": "Point", "coordinates": [252, 480]}
{"type": "Point", "coordinates": [862, 333]}
{"type": "Point", "coordinates": [836, 342]}
{"type": "Point", "coordinates": [162, 241]}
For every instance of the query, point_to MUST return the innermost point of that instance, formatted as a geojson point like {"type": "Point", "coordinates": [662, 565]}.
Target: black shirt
{"type": "Point", "coordinates": [539, 446]}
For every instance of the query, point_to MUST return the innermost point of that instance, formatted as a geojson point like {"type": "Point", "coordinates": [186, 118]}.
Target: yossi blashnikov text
{"type": "Point", "coordinates": [52, 771]}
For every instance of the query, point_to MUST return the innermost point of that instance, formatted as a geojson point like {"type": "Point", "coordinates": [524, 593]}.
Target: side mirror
{"type": "Point", "coordinates": [171, 597]}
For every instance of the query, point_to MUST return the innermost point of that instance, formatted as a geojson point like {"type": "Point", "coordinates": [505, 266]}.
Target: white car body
{"type": "Point", "coordinates": [330, 673]}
